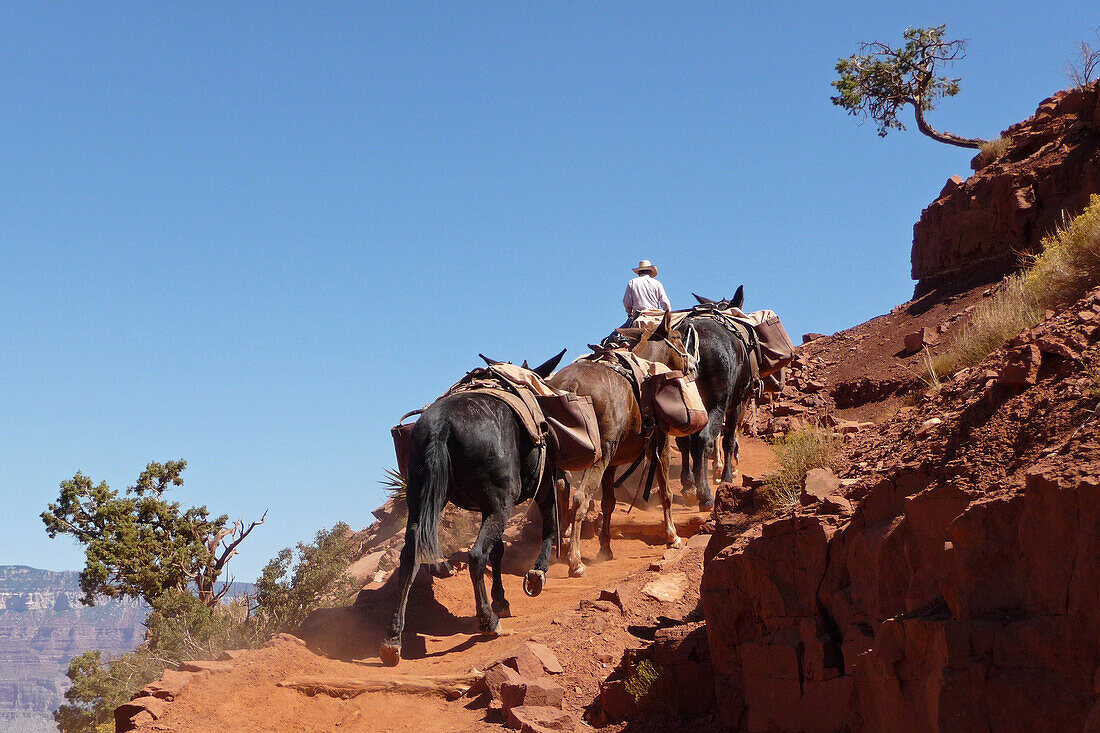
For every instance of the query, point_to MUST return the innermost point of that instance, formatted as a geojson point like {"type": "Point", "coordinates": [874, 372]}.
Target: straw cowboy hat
{"type": "Point", "coordinates": [646, 266]}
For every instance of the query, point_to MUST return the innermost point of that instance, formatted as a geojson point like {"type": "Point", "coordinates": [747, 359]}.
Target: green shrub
{"type": "Point", "coordinates": [650, 684]}
{"type": "Point", "coordinates": [284, 598]}
{"type": "Point", "coordinates": [181, 627]}
{"type": "Point", "coordinates": [796, 453]}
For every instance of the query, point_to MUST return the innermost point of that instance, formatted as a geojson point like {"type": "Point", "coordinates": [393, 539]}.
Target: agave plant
{"type": "Point", "coordinates": [395, 484]}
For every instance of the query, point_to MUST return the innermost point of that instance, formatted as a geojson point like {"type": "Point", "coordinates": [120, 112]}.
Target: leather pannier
{"type": "Point", "coordinates": [677, 405]}
{"type": "Point", "coordinates": [776, 349]}
{"type": "Point", "coordinates": [573, 422]}
{"type": "Point", "coordinates": [402, 437]}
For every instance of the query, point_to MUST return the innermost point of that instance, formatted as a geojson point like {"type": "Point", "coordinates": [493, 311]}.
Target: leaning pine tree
{"type": "Point", "coordinates": [880, 81]}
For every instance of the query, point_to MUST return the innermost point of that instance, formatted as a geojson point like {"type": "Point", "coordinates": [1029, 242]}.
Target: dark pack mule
{"type": "Point", "coordinates": [724, 378]}
{"type": "Point", "coordinates": [622, 435]}
{"type": "Point", "coordinates": [470, 449]}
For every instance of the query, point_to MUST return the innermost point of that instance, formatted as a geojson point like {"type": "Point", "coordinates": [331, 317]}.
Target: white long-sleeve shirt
{"type": "Point", "coordinates": [645, 293]}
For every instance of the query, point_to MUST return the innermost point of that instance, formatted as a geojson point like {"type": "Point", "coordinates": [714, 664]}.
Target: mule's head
{"type": "Point", "coordinates": [736, 301]}
{"type": "Point", "coordinates": [664, 345]}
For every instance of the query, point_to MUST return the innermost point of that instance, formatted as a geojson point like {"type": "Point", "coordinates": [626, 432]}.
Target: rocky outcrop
{"type": "Point", "coordinates": [981, 225]}
{"type": "Point", "coordinates": [962, 594]}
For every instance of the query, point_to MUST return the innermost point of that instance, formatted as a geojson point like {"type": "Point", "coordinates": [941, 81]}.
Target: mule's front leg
{"type": "Point", "coordinates": [492, 526]}
{"type": "Point", "coordinates": [686, 446]}
{"type": "Point", "coordinates": [730, 449]}
{"type": "Point", "coordinates": [706, 438]}
{"type": "Point", "coordinates": [581, 497]}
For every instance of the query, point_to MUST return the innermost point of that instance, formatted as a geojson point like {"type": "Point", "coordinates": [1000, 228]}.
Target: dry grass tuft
{"type": "Point", "coordinates": [798, 452]}
{"type": "Point", "coordinates": [1068, 265]}
{"type": "Point", "coordinates": [993, 149]}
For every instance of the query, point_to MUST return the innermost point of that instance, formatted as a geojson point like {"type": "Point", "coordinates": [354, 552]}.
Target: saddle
{"type": "Point", "coordinates": [669, 399]}
{"type": "Point", "coordinates": [563, 420]}
{"type": "Point", "coordinates": [762, 333]}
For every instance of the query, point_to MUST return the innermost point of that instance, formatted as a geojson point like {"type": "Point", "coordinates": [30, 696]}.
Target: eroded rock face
{"type": "Point", "coordinates": [982, 224]}
{"type": "Point", "coordinates": [949, 614]}
{"type": "Point", "coordinates": [962, 594]}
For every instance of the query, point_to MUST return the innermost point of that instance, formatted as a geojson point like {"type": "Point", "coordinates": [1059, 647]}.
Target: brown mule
{"type": "Point", "coordinates": [621, 435]}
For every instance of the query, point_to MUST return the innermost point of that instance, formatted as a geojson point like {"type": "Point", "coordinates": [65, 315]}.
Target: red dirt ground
{"type": "Point", "coordinates": [587, 638]}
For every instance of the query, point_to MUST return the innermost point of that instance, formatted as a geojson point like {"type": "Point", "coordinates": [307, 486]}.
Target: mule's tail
{"type": "Point", "coordinates": [433, 494]}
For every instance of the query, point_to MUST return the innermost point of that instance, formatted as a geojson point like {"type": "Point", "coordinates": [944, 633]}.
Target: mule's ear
{"type": "Point", "coordinates": [545, 370]}
{"type": "Point", "coordinates": [524, 365]}
{"type": "Point", "coordinates": [664, 328]}
{"type": "Point", "coordinates": [702, 300]}
{"type": "Point", "coordinates": [738, 297]}
{"type": "Point", "coordinates": [489, 361]}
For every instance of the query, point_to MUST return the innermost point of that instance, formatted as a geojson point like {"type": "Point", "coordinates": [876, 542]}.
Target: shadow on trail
{"type": "Point", "coordinates": [356, 631]}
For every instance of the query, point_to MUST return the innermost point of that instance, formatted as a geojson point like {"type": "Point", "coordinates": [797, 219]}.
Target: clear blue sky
{"type": "Point", "coordinates": [252, 235]}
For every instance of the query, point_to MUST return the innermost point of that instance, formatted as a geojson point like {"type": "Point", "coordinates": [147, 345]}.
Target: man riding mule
{"type": "Point", "coordinates": [484, 446]}
{"type": "Point", "coordinates": [625, 435]}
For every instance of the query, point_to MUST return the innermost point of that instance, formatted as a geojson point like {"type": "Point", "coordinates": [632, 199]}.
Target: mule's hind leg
{"type": "Point", "coordinates": [492, 527]}
{"type": "Point", "coordinates": [390, 651]}
{"type": "Point", "coordinates": [536, 578]}
{"type": "Point", "coordinates": [607, 506]}
{"type": "Point", "coordinates": [664, 457]}
{"type": "Point", "coordinates": [684, 445]}
{"type": "Point", "coordinates": [500, 603]}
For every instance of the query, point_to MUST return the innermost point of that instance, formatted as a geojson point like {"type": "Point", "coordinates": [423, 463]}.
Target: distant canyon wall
{"type": "Point", "coordinates": [43, 626]}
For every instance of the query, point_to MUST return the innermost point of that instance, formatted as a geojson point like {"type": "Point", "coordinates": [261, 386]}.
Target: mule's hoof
{"type": "Point", "coordinates": [390, 654]}
{"type": "Point", "coordinates": [533, 582]}
{"type": "Point", "coordinates": [604, 554]}
{"type": "Point", "coordinates": [706, 506]}
{"type": "Point", "coordinates": [577, 572]}
{"type": "Point", "coordinates": [503, 610]}
{"type": "Point", "coordinates": [495, 630]}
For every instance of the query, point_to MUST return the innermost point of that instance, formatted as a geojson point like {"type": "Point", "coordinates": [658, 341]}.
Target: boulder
{"type": "Point", "coordinates": [550, 663]}
{"type": "Point", "coordinates": [541, 692]}
{"type": "Point", "coordinates": [817, 484]}
{"type": "Point", "coordinates": [539, 719]}
{"type": "Point", "coordinates": [496, 677]}
{"type": "Point", "coordinates": [130, 714]}
{"type": "Point", "coordinates": [917, 340]}
{"type": "Point", "coordinates": [1022, 368]}
{"type": "Point", "coordinates": [667, 588]}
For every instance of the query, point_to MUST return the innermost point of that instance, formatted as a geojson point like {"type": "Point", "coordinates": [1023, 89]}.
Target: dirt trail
{"type": "Point", "coordinates": [587, 638]}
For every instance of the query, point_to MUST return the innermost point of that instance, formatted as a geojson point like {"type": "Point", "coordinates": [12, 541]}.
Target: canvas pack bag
{"type": "Point", "coordinates": [572, 421]}
{"type": "Point", "coordinates": [776, 349]}
{"type": "Point", "coordinates": [677, 405]}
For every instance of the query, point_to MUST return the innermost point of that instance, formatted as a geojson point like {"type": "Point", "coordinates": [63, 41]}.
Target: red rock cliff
{"type": "Point", "coordinates": [982, 225]}
{"type": "Point", "coordinates": [963, 593]}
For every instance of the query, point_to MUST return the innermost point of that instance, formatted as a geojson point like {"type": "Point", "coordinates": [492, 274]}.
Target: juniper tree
{"type": "Point", "coordinates": [142, 545]}
{"type": "Point", "coordinates": [880, 81]}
